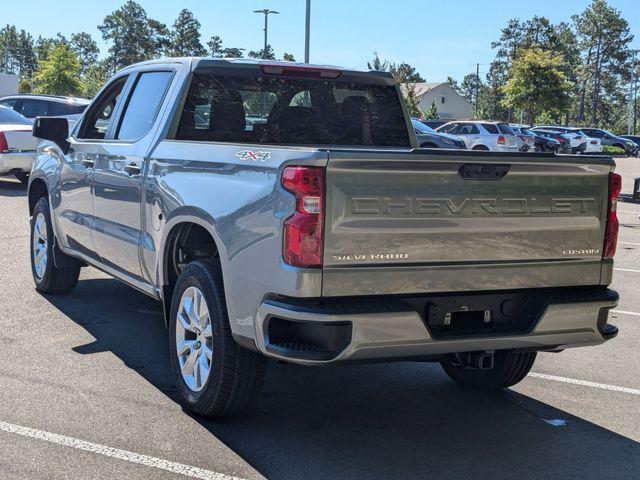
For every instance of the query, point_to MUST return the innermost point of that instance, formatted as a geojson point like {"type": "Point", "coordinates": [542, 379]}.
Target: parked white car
{"type": "Point", "coordinates": [479, 135]}
{"type": "Point", "coordinates": [17, 145]}
{"type": "Point", "coordinates": [31, 106]}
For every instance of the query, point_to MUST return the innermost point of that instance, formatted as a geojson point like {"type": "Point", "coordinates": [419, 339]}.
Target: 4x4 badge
{"type": "Point", "coordinates": [255, 156]}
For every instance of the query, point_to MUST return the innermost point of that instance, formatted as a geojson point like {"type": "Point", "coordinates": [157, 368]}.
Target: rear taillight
{"type": "Point", "coordinates": [594, 142]}
{"type": "Point", "coordinates": [303, 238]}
{"type": "Point", "coordinates": [502, 140]}
{"type": "Point", "coordinates": [4, 146]}
{"type": "Point", "coordinates": [611, 231]}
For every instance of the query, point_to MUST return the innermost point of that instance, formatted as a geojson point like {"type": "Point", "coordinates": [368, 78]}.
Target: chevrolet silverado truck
{"type": "Point", "coordinates": [284, 211]}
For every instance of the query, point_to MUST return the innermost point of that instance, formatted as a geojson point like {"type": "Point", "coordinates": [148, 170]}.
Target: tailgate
{"type": "Point", "coordinates": [408, 222]}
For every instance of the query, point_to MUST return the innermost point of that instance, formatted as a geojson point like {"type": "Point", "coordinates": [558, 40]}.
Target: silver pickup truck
{"type": "Point", "coordinates": [283, 210]}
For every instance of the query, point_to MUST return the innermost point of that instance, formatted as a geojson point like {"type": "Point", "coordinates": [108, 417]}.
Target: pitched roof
{"type": "Point", "coordinates": [423, 87]}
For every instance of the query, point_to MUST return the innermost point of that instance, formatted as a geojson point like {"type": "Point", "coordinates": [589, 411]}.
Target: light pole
{"type": "Point", "coordinates": [631, 108]}
{"type": "Point", "coordinates": [266, 12]}
{"type": "Point", "coordinates": [307, 32]}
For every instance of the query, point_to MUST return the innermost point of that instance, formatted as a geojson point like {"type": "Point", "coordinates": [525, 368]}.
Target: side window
{"type": "Point", "coordinates": [143, 104]}
{"type": "Point", "coordinates": [450, 128]}
{"type": "Point", "coordinates": [57, 108]}
{"type": "Point", "coordinates": [9, 103]}
{"type": "Point", "coordinates": [100, 115]}
{"type": "Point", "coordinates": [34, 108]}
{"type": "Point", "coordinates": [490, 128]}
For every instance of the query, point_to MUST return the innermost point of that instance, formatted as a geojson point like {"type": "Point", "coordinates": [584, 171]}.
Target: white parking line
{"type": "Point", "coordinates": [584, 383]}
{"type": "Point", "coordinates": [628, 243]}
{"type": "Point", "coordinates": [625, 312]}
{"type": "Point", "coordinates": [173, 467]}
{"type": "Point", "coordinates": [626, 270]}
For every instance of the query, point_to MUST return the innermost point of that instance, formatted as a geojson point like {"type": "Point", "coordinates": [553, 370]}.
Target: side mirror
{"type": "Point", "coordinates": [54, 129]}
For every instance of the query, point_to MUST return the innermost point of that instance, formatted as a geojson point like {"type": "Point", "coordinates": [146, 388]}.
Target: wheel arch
{"type": "Point", "coordinates": [38, 188]}
{"type": "Point", "coordinates": [196, 231]}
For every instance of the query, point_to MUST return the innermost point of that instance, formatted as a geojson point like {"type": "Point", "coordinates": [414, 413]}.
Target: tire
{"type": "Point", "coordinates": [480, 147]}
{"type": "Point", "coordinates": [235, 374]}
{"type": "Point", "coordinates": [48, 277]}
{"type": "Point", "coordinates": [23, 177]}
{"type": "Point", "coordinates": [509, 368]}
{"type": "Point", "coordinates": [538, 148]}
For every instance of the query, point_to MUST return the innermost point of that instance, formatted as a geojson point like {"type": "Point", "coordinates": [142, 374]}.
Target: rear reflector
{"type": "Point", "coordinates": [611, 231]}
{"type": "Point", "coordinates": [300, 71]}
{"type": "Point", "coordinates": [303, 235]}
{"type": "Point", "coordinates": [4, 146]}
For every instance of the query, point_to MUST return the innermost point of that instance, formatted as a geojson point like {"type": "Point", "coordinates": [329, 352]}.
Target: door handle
{"type": "Point", "coordinates": [132, 169]}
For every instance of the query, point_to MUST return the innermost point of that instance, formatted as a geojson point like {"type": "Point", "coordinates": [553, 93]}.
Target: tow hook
{"type": "Point", "coordinates": [474, 360]}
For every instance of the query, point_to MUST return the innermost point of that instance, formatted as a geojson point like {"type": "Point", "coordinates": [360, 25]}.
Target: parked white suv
{"type": "Point", "coordinates": [479, 135]}
{"type": "Point", "coordinates": [32, 105]}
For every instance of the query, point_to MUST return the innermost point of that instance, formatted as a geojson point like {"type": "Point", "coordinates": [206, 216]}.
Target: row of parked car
{"type": "Point", "coordinates": [18, 146]}
{"type": "Point", "coordinates": [506, 137]}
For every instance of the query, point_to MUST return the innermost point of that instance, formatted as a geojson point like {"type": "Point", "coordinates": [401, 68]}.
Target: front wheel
{"type": "Point", "coordinates": [48, 277]}
{"type": "Point", "coordinates": [214, 375]}
{"type": "Point", "coordinates": [509, 368]}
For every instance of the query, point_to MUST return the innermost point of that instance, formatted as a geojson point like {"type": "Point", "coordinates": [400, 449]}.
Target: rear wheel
{"type": "Point", "coordinates": [538, 148]}
{"type": "Point", "coordinates": [480, 147]}
{"type": "Point", "coordinates": [509, 368]}
{"type": "Point", "coordinates": [48, 277]}
{"type": "Point", "coordinates": [214, 375]}
{"type": "Point", "coordinates": [23, 177]}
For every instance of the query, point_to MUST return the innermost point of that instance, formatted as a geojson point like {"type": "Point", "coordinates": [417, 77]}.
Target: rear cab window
{"type": "Point", "coordinates": [253, 107]}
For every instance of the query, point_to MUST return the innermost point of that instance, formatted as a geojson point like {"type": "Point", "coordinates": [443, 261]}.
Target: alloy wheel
{"type": "Point", "coordinates": [40, 245]}
{"type": "Point", "coordinates": [194, 339]}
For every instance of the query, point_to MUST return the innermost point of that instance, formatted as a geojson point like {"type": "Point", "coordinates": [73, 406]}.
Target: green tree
{"type": "Point", "coordinates": [604, 37]}
{"type": "Point", "coordinates": [405, 73]}
{"type": "Point", "coordinates": [267, 55]}
{"type": "Point", "coordinates": [453, 83]}
{"type": "Point", "coordinates": [59, 73]}
{"type": "Point", "coordinates": [133, 36]}
{"type": "Point", "coordinates": [184, 40]}
{"type": "Point", "coordinates": [288, 57]}
{"type": "Point", "coordinates": [431, 113]}
{"type": "Point", "coordinates": [217, 50]}
{"type": "Point", "coordinates": [17, 52]}
{"type": "Point", "coordinates": [411, 99]}
{"type": "Point", "coordinates": [377, 64]}
{"type": "Point", "coordinates": [94, 79]}
{"type": "Point", "coordinates": [44, 46]}
{"type": "Point", "coordinates": [537, 83]}
{"type": "Point", "coordinates": [86, 49]}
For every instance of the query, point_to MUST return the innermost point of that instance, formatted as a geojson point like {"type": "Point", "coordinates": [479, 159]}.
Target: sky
{"type": "Point", "coordinates": [440, 38]}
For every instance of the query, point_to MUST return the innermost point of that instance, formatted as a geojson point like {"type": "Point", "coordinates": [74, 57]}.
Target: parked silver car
{"type": "Point", "coordinates": [481, 135]}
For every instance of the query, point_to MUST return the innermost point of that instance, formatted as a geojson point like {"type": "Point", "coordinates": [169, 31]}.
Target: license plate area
{"type": "Point", "coordinates": [483, 315]}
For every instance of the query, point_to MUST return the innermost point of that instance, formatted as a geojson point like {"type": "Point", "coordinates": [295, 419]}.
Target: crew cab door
{"type": "Point", "coordinates": [119, 173]}
{"type": "Point", "coordinates": [74, 206]}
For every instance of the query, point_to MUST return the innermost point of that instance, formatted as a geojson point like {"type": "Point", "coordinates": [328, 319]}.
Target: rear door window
{"type": "Point", "coordinates": [505, 129]}
{"type": "Point", "coordinates": [143, 104]}
{"type": "Point", "coordinates": [266, 109]}
{"type": "Point", "coordinates": [34, 108]}
{"type": "Point", "coordinates": [491, 128]}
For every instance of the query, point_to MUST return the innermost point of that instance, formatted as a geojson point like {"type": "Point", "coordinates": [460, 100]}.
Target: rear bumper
{"type": "Point", "coordinates": [358, 328]}
{"type": "Point", "coordinates": [16, 162]}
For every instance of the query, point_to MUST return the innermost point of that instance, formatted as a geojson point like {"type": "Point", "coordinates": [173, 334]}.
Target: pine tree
{"type": "Point", "coordinates": [431, 113]}
{"type": "Point", "coordinates": [133, 36]}
{"type": "Point", "coordinates": [184, 40]}
{"type": "Point", "coordinates": [86, 50]}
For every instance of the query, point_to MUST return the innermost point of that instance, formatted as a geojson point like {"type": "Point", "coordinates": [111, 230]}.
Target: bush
{"type": "Point", "coordinates": [609, 150]}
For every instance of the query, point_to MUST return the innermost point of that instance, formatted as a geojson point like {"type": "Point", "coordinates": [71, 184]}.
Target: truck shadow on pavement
{"type": "Point", "coordinates": [12, 188]}
{"type": "Point", "coordinates": [384, 421]}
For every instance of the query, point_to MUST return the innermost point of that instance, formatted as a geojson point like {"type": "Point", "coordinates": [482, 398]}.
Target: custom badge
{"type": "Point", "coordinates": [254, 156]}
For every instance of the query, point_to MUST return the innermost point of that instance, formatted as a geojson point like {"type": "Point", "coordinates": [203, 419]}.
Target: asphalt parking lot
{"type": "Point", "coordinates": [86, 393]}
